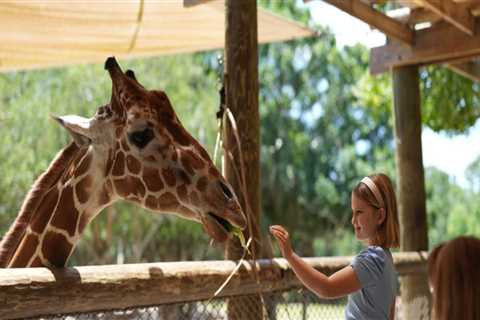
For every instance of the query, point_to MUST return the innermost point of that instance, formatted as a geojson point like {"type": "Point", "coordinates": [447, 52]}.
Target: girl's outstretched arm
{"type": "Point", "coordinates": [339, 284]}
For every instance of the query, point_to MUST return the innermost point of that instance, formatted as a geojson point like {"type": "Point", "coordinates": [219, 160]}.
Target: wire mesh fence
{"type": "Point", "coordinates": [288, 305]}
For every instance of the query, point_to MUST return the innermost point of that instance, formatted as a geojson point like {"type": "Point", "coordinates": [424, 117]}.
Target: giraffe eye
{"type": "Point", "coordinates": [141, 138]}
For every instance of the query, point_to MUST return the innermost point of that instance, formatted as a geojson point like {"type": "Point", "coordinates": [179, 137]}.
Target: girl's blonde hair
{"type": "Point", "coordinates": [388, 231]}
{"type": "Point", "coordinates": [454, 274]}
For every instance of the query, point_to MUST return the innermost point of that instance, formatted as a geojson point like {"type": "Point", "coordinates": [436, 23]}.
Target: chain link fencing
{"type": "Point", "coordinates": [288, 305]}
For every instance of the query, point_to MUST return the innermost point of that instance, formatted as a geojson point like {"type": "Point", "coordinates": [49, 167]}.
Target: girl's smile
{"type": "Point", "coordinates": [365, 219]}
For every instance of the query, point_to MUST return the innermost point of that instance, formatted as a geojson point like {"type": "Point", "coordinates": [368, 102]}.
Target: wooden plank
{"type": "Point", "coordinates": [413, 16]}
{"type": "Point", "coordinates": [441, 43]}
{"type": "Point", "coordinates": [39, 291]}
{"type": "Point", "coordinates": [192, 3]}
{"type": "Point", "coordinates": [457, 14]}
{"type": "Point", "coordinates": [470, 70]}
{"type": "Point", "coordinates": [374, 18]}
{"type": "Point", "coordinates": [398, 3]}
{"type": "Point", "coordinates": [421, 15]}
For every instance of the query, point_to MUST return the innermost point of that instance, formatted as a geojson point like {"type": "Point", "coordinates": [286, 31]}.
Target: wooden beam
{"type": "Point", "coordinates": [457, 14]}
{"type": "Point", "coordinates": [385, 24]}
{"type": "Point", "coordinates": [192, 3]}
{"type": "Point", "coordinates": [470, 70]}
{"type": "Point", "coordinates": [441, 43]}
{"type": "Point", "coordinates": [33, 292]}
{"type": "Point", "coordinates": [421, 15]}
{"type": "Point", "coordinates": [415, 16]}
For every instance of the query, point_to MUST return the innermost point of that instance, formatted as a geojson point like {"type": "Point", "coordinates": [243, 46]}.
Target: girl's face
{"type": "Point", "coordinates": [365, 219]}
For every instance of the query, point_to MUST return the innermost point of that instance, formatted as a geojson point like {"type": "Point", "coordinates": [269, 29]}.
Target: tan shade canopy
{"type": "Point", "coordinates": [43, 33]}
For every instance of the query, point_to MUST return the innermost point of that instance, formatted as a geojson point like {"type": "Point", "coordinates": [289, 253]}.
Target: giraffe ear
{"type": "Point", "coordinates": [78, 127]}
{"type": "Point", "coordinates": [129, 73]}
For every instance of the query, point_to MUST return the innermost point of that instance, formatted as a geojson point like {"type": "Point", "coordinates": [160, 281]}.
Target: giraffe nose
{"type": "Point", "coordinates": [226, 190]}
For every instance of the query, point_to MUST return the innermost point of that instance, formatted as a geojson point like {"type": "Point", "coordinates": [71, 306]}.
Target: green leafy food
{"type": "Point", "coordinates": [239, 234]}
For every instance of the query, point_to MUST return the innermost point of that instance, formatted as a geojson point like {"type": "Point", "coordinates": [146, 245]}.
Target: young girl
{"type": "Point", "coordinates": [370, 279]}
{"type": "Point", "coordinates": [454, 276]}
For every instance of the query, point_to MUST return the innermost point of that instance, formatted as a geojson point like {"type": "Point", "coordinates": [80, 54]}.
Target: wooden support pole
{"type": "Point", "coordinates": [242, 166]}
{"type": "Point", "coordinates": [33, 292]}
{"type": "Point", "coordinates": [411, 184]}
{"type": "Point", "coordinates": [241, 89]}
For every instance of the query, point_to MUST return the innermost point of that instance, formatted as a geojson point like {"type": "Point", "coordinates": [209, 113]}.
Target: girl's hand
{"type": "Point", "coordinates": [283, 239]}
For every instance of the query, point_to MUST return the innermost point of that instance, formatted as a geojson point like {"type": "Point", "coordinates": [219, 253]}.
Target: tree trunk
{"type": "Point", "coordinates": [411, 186]}
{"type": "Point", "coordinates": [241, 89]}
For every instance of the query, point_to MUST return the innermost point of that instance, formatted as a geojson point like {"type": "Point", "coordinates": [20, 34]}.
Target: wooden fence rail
{"type": "Point", "coordinates": [39, 291]}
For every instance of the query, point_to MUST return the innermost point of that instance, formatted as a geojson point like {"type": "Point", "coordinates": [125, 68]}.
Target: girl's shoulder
{"type": "Point", "coordinates": [369, 265]}
{"type": "Point", "coordinates": [373, 253]}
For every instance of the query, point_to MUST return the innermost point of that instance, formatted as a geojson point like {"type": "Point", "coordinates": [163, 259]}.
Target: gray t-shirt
{"type": "Point", "coordinates": [376, 273]}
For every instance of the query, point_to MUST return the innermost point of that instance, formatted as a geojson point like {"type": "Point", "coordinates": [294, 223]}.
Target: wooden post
{"type": "Point", "coordinates": [411, 185]}
{"type": "Point", "coordinates": [241, 93]}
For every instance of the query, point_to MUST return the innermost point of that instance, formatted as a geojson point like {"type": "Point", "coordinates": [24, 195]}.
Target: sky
{"type": "Point", "coordinates": [449, 154]}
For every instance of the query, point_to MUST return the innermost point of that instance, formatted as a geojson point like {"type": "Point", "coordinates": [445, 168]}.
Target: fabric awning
{"type": "Point", "coordinates": [43, 33]}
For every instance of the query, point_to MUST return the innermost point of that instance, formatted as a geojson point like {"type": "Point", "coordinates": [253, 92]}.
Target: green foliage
{"type": "Point", "coordinates": [452, 211]}
{"type": "Point", "coordinates": [450, 102]}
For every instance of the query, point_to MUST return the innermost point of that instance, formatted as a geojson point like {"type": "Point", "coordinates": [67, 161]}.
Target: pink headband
{"type": "Point", "coordinates": [374, 189]}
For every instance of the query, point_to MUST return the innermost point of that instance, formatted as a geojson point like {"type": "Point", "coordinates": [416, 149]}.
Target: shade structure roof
{"type": "Point", "coordinates": [46, 33]}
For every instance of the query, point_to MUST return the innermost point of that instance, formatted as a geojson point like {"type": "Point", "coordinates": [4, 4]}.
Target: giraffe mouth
{"type": "Point", "coordinates": [217, 227]}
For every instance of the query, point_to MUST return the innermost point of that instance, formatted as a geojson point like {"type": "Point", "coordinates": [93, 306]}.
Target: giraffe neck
{"type": "Point", "coordinates": [65, 206]}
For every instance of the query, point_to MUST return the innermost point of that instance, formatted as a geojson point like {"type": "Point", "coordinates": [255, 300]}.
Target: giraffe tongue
{"type": "Point", "coordinates": [217, 227]}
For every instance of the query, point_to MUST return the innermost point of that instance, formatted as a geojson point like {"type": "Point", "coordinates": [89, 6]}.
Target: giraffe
{"type": "Point", "coordinates": [133, 149]}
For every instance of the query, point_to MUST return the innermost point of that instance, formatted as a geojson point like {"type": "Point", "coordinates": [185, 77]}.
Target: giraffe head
{"type": "Point", "coordinates": [148, 158]}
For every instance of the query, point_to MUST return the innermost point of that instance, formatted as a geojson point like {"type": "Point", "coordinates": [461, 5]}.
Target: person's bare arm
{"type": "Point", "coordinates": [339, 284]}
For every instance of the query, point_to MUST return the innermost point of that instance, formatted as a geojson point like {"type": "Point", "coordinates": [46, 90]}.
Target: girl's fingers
{"type": "Point", "coordinates": [281, 238]}
{"type": "Point", "coordinates": [279, 235]}
{"type": "Point", "coordinates": [278, 228]}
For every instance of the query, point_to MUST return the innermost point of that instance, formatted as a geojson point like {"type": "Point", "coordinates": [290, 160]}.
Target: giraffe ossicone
{"type": "Point", "coordinates": [133, 149]}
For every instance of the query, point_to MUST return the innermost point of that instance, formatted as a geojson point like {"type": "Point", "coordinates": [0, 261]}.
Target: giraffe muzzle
{"type": "Point", "coordinates": [217, 227]}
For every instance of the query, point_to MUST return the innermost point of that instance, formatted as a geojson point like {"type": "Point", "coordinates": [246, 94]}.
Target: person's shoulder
{"type": "Point", "coordinates": [375, 253]}
{"type": "Point", "coordinates": [377, 250]}
{"type": "Point", "coordinates": [369, 265]}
